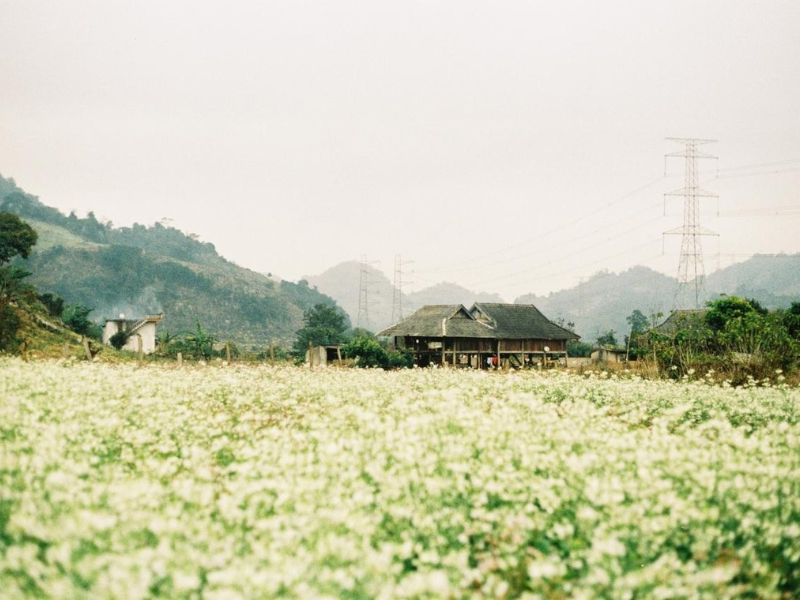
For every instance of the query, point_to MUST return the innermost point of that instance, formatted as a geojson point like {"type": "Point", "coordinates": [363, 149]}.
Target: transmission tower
{"type": "Point", "coordinates": [364, 283]}
{"type": "Point", "coordinates": [397, 300]}
{"type": "Point", "coordinates": [691, 275]}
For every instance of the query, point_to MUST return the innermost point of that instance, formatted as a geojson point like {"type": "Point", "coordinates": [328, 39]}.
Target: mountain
{"type": "Point", "coordinates": [605, 300]}
{"type": "Point", "coordinates": [448, 293]}
{"type": "Point", "coordinates": [772, 279]}
{"type": "Point", "coordinates": [138, 270]}
{"type": "Point", "coordinates": [343, 283]}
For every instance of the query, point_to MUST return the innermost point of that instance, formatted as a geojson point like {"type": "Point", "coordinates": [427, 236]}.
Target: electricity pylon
{"type": "Point", "coordinates": [397, 300]}
{"type": "Point", "coordinates": [364, 283]}
{"type": "Point", "coordinates": [691, 275]}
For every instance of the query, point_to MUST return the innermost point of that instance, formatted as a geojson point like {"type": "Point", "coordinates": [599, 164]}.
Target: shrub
{"type": "Point", "coordinates": [119, 339]}
{"type": "Point", "coordinates": [366, 353]}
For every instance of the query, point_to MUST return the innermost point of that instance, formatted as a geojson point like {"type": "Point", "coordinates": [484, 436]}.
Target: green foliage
{"type": "Point", "coordinates": [157, 269]}
{"type": "Point", "coordinates": [17, 238]}
{"type": "Point", "coordinates": [200, 343]}
{"type": "Point", "coordinates": [9, 325]}
{"type": "Point", "coordinates": [324, 325]}
{"type": "Point", "coordinates": [736, 339]}
{"type": "Point", "coordinates": [13, 286]}
{"type": "Point", "coordinates": [53, 303]}
{"type": "Point", "coordinates": [791, 320]}
{"type": "Point", "coordinates": [277, 352]}
{"type": "Point", "coordinates": [119, 339]}
{"type": "Point", "coordinates": [366, 352]}
{"type": "Point", "coordinates": [726, 309]}
{"type": "Point", "coordinates": [638, 322]}
{"type": "Point", "coordinates": [402, 358]}
{"type": "Point", "coordinates": [576, 348]}
{"type": "Point", "coordinates": [609, 338]}
{"type": "Point", "coordinates": [76, 317]}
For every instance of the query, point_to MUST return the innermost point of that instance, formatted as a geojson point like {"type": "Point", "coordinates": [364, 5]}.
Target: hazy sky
{"type": "Point", "coordinates": [507, 146]}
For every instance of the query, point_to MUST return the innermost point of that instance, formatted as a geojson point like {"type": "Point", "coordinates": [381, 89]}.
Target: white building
{"type": "Point", "coordinates": [143, 329]}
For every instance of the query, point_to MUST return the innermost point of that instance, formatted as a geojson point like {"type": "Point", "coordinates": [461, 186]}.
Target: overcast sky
{"type": "Point", "coordinates": [510, 147]}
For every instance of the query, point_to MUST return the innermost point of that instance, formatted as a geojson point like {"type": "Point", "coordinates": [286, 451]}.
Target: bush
{"type": "Point", "coordinates": [119, 339]}
{"type": "Point", "coordinates": [366, 353]}
{"type": "Point", "coordinates": [401, 359]}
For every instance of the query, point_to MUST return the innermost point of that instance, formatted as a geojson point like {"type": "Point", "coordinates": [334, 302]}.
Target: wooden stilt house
{"type": "Point", "coordinates": [484, 336]}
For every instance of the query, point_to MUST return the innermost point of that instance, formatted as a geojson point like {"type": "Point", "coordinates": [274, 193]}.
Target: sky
{"type": "Point", "coordinates": [511, 147]}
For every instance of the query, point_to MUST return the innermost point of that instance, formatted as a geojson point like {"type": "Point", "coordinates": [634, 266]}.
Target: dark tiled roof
{"type": "Point", "coordinates": [520, 321]}
{"type": "Point", "coordinates": [682, 319]}
{"type": "Point", "coordinates": [497, 321]}
{"type": "Point", "coordinates": [440, 320]}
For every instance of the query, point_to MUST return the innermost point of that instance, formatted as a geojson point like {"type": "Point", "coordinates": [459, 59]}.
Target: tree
{"type": "Point", "coordinates": [324, 325]}
{"type": "Point", "coordinates": [201, 343]}
{"type": "Point", "coordinates": [366, 352]}
{"type": "Point", "coordinates": [639, 325]}
{"type": "Point", "coordinates": [726, 309]}
{"type": "Point", "coordinates": [609, 338]}
{"type": "Point", "coordinates": [76, 317]}
{"type": "Point", "coordinates": [638, 322]}
{"type": "Point", "coordinates": [16, 237]}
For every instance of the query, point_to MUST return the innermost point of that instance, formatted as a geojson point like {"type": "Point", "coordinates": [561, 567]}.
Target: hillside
{"type": "Point", "coordinates": [341, 282]}
{"type": "Point", "coordinates": [137, 270]}
{"type": "Point", "coordinates": [772, 279]}
{"type": "Point", "coordinates": [605, 300]}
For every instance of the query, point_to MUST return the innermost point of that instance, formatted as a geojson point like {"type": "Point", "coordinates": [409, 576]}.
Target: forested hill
{"type": "Point", "coordinates": [605, 300]}
{"type": "Point", "coordinates": [138, 270]}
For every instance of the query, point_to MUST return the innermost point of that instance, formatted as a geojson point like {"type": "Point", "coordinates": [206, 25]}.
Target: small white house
{"type": "Point", "coordinates": [139, 331]}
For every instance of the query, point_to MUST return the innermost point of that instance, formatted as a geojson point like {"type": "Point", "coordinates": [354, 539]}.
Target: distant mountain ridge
{"type": "Point", "coordinates": [342, 282]}
{"type": "Point", "coordinates": [600, 304]}
{"type": "Point", "coordinates": [605, 300]}
{"type": "Point", "coordinates": [138, 270]}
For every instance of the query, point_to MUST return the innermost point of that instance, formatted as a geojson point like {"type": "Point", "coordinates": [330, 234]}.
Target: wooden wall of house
{"type": "Point", "coordinates": [532, 345]}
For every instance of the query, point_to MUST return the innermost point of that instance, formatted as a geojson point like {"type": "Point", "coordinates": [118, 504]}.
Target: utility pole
{"type": "Point", "coordinates": [397, 300]}
{"type": "Point", "coordinates": [364, 283]}
{"type": "Point", "coordinates": [691, 275]}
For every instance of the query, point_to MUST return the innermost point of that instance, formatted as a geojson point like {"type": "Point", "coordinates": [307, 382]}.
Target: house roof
{"type": "Point", "coordinates": [483, 320]}
{"type": "Point", "coordinates": [440, 320]}
{"type": "Point", "coordinates": [519, 321]}
{"type": "Point", "coordinates": [681, 319]}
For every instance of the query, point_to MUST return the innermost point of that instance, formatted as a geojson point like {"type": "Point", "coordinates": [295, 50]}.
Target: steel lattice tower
{"type": "Point", "coordinates": [691, 274]}
{"type": "Point", "coordinates": [363, 294]}
{"type": "Point", "coordinates": [397, 297]}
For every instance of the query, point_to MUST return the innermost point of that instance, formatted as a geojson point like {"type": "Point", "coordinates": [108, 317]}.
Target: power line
{"type": "Point", "coordinates": [549, 232]}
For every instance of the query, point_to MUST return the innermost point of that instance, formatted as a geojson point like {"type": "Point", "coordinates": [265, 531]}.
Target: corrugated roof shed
{"type": "Point", "coordinates": [520, 321]}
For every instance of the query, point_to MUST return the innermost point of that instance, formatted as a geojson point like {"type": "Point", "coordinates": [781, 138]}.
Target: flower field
{"type": "Point", "coordinates": [212, 482]}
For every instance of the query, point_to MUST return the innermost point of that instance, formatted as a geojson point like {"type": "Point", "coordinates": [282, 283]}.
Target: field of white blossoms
{"type": "Point", "coordinates": [212, 482]}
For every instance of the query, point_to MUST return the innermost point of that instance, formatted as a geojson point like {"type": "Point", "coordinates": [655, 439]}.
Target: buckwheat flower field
{"type": "Point", "coordinates": [252, 482]}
